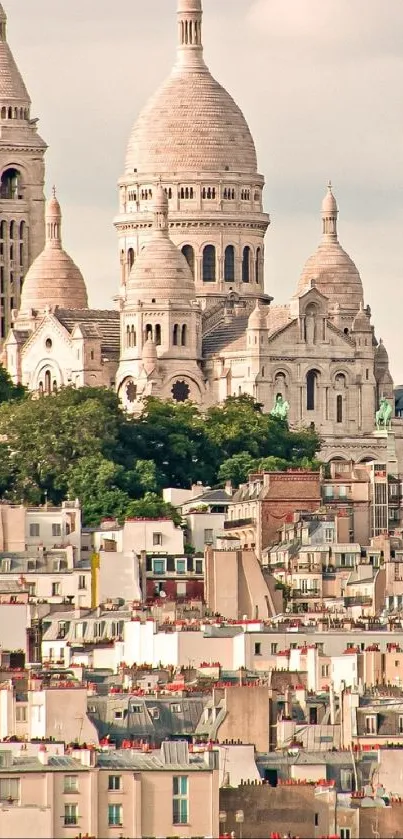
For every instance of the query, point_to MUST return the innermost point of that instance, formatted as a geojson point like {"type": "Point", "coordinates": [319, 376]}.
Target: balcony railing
{"type": "Point", "coordinates": [358, 600]}
{"type": "Point", "coordinates": [298, 594]}
{"type": "Point", "coordinates": [229, 525]}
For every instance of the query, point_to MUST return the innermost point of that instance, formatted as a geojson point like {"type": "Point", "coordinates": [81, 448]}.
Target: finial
{"type": "Point", "coordinates": [330, 185]}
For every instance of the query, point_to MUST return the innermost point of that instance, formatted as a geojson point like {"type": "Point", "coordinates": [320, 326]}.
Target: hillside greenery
{"type": "Point", "coordinates": [81, 444]}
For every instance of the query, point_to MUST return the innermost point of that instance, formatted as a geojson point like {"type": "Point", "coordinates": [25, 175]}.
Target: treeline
{"type": "Point", "coordinates": [81, 444]}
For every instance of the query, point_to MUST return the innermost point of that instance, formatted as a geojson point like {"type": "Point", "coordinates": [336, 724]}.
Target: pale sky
{"type": "Point", "coordinates": [319, 82]}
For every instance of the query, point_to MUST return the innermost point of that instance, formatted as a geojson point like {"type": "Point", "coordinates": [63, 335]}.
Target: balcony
{"type": "Point", "coordinates": [358, 600]}
{"type": "Point", "coordinates": [298, 594]}
{"type": "Point", "coordinates": [230, 525]}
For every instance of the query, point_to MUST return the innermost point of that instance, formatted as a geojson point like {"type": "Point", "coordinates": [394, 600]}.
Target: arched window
{"type": "Point", "coordinates": [127, 336]}
{"type": "Point", "coordinates": [149, 331]}
{"type": "Point", "coordinates": [209, 264]}
{"type": "Point", "coordinates": [258, 265]}
{"type": "Point", "coordinates": [21, 253]}
{"type": "Point", "coordinates": [246, 264]}
{"type": "Point", "coordinates": [340, 381]}
{"type": "Point", "coordinates": [22, 229]}
{"type": "Point", "coordinates": [311, 386]}
{"type": "Point", "coordinates": [47, 382]}
{"type": "Point", "coordinates": [54, 386]}
{"type": "Point", "coordinates": [133, 337]}
{"type": "Point", "coordinates": [339, 408]}
{"type": "Point", "coordinates": [158, 335]}
{"type": "Point", "coordinates": [10, 113]}
{"type": "Point", "coordinates": [12, 229]}
{"type": "Point", "coordinates": [175, 335]}
{"type": "Point", "coordinates": [3, 230]}
{"type": "Point", "coordinates": [184, 335]}
{"type": "Point", "coordinates": [3, 113]}
{"type": "Point", "coordinates": [10, 184]}
{"type": "Point", "coordinates": [189, 255]}
{"type": "Point", "coordinates": [130, 258]}
{"type": "Point", "coordinates": [40, 388]}
{"type": "Point", "coordinates": [229, 264]}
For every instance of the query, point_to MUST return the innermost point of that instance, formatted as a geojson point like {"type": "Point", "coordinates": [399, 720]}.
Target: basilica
{"type": "Point", "coordinates": [193, 320]}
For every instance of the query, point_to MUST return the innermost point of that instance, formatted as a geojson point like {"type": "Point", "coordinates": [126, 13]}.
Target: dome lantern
{"type": "Point", "coordinates": [190, 42]}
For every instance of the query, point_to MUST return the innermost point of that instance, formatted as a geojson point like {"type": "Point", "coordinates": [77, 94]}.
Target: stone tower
{"type": "Point", "coordinates": [22, 174]}
{"type": "Point", "coordinates": [193, 139]}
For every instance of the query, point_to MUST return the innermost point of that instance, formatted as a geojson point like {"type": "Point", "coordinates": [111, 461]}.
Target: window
{"type": "Point", "coordinates": [56, 530]}
{"type": "Point", "coordinates": [70, 814]}
{"type": "Point", "coordinates": [316, 819]}
{"type": "Point", "coordinates": [400, 724]}
{"type": "Point", "coordinates": [34, 530]}
{"type": "Point", "coordinates": [258, 649]}
{"type": "Point", "coordinates": [329, 491]}
{"type": "Point", "coordinates": [157, 539]}
{"type": "Point", "coordinates": [175, 335]}
{"type": "Point", "coordinates": [82, 582]}
{"type": "Point", "coordinates": [115, 817]}
{"type": "Point", "coordinates": [346, 780]}
{"type": "Point", "coordinates": [184, 335]}
{"type": "Point", "coordinates": [345, 833]}
{"type": "Point", "coordinates": [118, 715]}
{"type": "Point", "coordinates": [246, 265]}
{"type": "Point", "coordinates": [21, 713]}
{"type": "Point", "coordinates": [189, 255]}
{"type": "Point", "coordinates": [70, 783]}
{"type": "Point", "coordinates": [180, 800]}
{"type": "Point", "coordinates": [342, 492]}
{"type": "Point", "coordinates": [229, 264]}
{"type": "Point", "coordinates": [257, 265]}
{"type": "Point", "coordinates": [311, 385]}
{"type": "Point", "coordinates": [9, 789]}
{"type": "Point", "coordinates": [199, 566]}
{"type": "Point", "coordinates": [181, 589]}
{"type": "Point", "coordinates": [159, 566]}
{"type": "Point", "coordinates": [371, 724]}
{"type": "Point", "coordinates": [55, 589]}
{"type": "Point", "coordinates": [208, 537]}
{"type": "Point", "coordinates": [339, 408]}
{"type": "Point", "coordinates": [273, 649]}
{"type": "Point", "coordinates": [325, 671]}
{"type": "Point", "coordinates": [209, 264]}
{"type": "Point", "coordinates": [114, 783]}
{"type": "Point", "coordinates": [154, 713]}
{"type": "Point", "coordinates": [181, 566]}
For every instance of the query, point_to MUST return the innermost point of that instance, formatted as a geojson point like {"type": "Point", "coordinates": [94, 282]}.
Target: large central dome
{"type": "Point", "coordinates": [191, 124]}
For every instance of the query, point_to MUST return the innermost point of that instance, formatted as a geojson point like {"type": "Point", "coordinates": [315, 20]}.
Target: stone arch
{"type": "Point", "coordinates": [209, 264]}
{"type": "Point", "coordinates": [189, 254]}
{"type": "Point", "coordinates": [11, 183]}
{"type": "Point", "coordinates": [229, 264]}
{"type": "Point", "coordinates": [312, 382]}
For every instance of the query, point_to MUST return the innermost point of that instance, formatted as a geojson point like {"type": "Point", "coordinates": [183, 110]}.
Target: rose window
{"type": "Point", "coordinates": [131, 392]}
{"type": "Point", "coordinates": [180, 391]}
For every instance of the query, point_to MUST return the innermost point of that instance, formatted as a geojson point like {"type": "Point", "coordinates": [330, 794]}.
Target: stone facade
{"type": "Point", "coordinates": [194, 321]}
{"type": "Point", "coordinates": [22, 173]}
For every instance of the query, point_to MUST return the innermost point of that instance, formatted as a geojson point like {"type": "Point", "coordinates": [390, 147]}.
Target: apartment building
{"type": "Point", "coordinates": [109, 794]}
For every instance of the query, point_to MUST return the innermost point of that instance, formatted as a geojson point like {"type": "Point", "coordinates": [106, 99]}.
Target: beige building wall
{"type": "Point", "coordinates": [247, 716]}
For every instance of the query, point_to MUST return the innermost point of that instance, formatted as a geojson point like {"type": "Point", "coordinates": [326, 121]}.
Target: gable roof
{"type": "Point", "coordinates": [93, 323]}
{"type": "Point", "coordinates": [224, 334]}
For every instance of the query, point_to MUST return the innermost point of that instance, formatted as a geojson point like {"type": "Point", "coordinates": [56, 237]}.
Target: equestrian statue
{"type": "Point", "coordinates": [383, 416]}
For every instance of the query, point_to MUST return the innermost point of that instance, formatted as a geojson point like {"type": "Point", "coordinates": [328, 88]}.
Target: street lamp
{"type": "Point", "coordinates": [240, 818]}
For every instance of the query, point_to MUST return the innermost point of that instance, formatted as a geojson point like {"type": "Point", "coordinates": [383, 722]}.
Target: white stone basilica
{"type": "Point", "coordinates": [194, 321]}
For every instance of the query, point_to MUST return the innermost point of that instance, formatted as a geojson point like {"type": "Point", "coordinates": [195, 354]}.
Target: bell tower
{"type": "Point", "coordinates": [22, 175]}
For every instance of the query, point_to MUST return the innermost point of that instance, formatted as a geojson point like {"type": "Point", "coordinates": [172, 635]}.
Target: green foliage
{"type": "Point", "coordinates": [8, 390]}
{"type": "Point", "coordinates": [80, 443]}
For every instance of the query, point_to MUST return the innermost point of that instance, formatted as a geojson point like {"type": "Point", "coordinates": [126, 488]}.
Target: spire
{"type": "Point", "coordinates": [190, 42]}
{"type": "Point", "coordinates": [3, 24]}
{"type": "Point", "coordinates": [53, 222]}
{"type": "Point", "coordinates": [160, 213]}
{"type": "Point", "coordinates": [330, 211]}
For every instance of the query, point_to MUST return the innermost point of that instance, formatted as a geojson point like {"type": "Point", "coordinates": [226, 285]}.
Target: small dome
{"type": "Point", "coordinates": [258, 318]}
{"type": "Point", "coordinates": [329, 203]}
{"type": "Point", "coordinates": [160, 271]}
{"type": "Point", "coordinates": [381, 355]}
{"type": "Point", "coordinates": [53, 279]}
{"type": "Point", "coordinates": [334, 272]}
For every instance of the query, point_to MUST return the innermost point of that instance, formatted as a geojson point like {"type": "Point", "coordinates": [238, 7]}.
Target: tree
{"type": "Point", "coordinates": [8, 390]}
{"type": "Point", "coordinates": [153, 507]}
{"type": "Point", "coordinates": [237, 468]}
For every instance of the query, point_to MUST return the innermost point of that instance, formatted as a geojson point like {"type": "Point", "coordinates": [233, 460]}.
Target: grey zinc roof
{"type": "Point", "coordinates": [94, 322]}
{"type": "Point", "coordinates": [224, 334]}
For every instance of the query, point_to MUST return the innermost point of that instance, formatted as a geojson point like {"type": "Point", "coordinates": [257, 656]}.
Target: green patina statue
{"type": "Point", "coordinates": [383, 416]}
{"type": "Point", "coordinates": [281, 408]}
